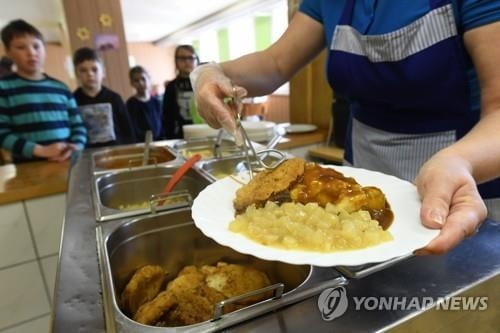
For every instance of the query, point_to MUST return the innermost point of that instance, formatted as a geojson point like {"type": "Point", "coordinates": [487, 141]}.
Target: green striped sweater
{"type": "Point", "coordinates": [42, 111]}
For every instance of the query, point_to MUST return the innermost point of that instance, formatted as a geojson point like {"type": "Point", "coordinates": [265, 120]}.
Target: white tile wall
{"type": "Point", "coordinates": [22, 294]}
{"type": "Point", "coordinates": [15, 241]}
{"type": "Point", "coordinates": [34, 326]}
{"type": "Point", "coordinates": [46, 216]}
{"type": "Point", "coordinates": [24, 305]}
{"type": "Point", "coordinates": [49, 268]}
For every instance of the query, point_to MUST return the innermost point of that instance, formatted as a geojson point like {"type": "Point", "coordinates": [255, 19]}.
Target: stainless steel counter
{"type": "Point", "coordinates": [78, 305]}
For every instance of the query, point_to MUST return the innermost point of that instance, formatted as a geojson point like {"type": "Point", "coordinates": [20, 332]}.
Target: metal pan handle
{"type": "Point", "coordinates": [278, 289]}
{"type": "Point", "coordinates": [358, 272]}
{"type": "Point", "coordinates": [156, 199]}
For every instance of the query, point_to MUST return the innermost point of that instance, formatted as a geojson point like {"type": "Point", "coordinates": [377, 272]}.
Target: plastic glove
{"type": "Point", "coordinates": [450, 202]}
{"type": "Point", "coordinates": [211, 87]}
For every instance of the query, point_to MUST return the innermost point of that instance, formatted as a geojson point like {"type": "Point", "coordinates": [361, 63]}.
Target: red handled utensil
{"type": "Point", "coordinates": [181, 172]}
{"type": "Point", "coordinates": [178, 174]}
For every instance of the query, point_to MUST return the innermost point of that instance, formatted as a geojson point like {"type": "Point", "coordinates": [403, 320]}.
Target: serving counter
{"type": "Point", "coordinates": [32, 180]}
{"type": "Point", "coordinates": [473, 268]}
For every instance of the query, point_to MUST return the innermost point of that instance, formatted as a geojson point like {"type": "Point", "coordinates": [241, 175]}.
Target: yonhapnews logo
{"type": "Point", "coordinates": [333, 303]}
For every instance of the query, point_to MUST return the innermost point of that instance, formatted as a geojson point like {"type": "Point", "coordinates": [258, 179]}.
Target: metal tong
{"type": "Point", "coordinates": [246, 143]}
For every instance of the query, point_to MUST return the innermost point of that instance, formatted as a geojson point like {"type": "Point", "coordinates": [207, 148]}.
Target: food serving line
{"type": "Point", "coordinates": [95, 257]}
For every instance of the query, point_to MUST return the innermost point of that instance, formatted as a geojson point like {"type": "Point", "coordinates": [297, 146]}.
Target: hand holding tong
{"type": "Point", "coordinates": [246, 143]}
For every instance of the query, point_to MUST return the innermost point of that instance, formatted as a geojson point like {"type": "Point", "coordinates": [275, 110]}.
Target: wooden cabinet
{"type": "Point", "coordinates": [310, 95]}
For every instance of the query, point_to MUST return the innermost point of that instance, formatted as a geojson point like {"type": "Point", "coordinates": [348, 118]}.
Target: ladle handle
{"type": "Point", "coordinates": [147, 143]}
{"type": "Point", "coordinates": [180, 172]}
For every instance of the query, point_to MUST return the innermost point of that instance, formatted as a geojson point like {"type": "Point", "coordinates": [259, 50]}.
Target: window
{"type": "Point", "coordinates": [240, 34]}
{"type": "Point", "coordinates": [230, 38]}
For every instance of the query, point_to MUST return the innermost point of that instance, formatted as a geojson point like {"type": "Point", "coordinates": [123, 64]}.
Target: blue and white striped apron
{"type": "Point", "coordinates": [409, 92]}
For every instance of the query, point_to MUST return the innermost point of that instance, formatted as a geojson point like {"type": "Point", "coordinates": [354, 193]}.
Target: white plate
{"type": "Point", "coordinates": [301, 128]}
{"type": "Point", "coordinates": [213, 211]}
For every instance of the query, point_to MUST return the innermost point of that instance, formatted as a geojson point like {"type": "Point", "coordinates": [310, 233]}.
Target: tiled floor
{"type": "Point", "coordinates": [29, 244]}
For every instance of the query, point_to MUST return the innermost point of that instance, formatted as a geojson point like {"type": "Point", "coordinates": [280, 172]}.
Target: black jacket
{"type": "Point", "coordinates": [145, 116]}
{"type": "Point", "coordinates": [121, 120]}
{"type": "Point", "coordinates": [172, 119]}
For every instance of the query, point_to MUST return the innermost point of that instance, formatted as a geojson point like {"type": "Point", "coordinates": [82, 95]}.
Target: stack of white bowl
{"type": "Point", "coordinates": [198, 131]}
{"type": "Point", "coordinates": [259, 131]}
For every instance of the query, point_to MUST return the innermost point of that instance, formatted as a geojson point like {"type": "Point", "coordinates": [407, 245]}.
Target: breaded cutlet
{"type": "Point", "coordinates": [144, 285]}
{"type": "Point", "coordinates": [267, 184]}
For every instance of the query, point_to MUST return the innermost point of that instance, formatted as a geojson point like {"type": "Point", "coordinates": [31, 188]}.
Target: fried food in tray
{"type": "Point", "coordinates": [301, 182]}
{"type": "Point", "coordinates": [235, 280]}
{"type": "Point", "coordinates": [190, 298]}
{"type": "Point", "coordinates": [144, 285]}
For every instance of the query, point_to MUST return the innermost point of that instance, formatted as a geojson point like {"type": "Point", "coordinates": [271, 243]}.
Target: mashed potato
{"type": "Point", "coordinates": [136, 206]}
{"type": "Point", "coordinates": [205, 153]}
{"type": "Point", "coordinates": [220, 174]}
{"type": "Point", "coordinates": [145, 204]}
{"type": "Point", "coordinates": [309, 227]}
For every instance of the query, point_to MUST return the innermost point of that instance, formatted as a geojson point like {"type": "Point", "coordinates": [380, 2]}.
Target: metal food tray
{"type": "Point", "coordinates": [112, 192]}
{"type": "Point", "coordinates": [162, 239]}
{"type": "Point", "coordinates": [128, 157]}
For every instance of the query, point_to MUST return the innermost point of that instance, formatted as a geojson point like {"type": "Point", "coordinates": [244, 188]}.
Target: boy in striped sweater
{"type": "Point", "coordinates": [39, 118]}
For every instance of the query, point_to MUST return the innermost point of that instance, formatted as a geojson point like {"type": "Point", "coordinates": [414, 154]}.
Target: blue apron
{"type": "Point", "coordinates": [409, 93]}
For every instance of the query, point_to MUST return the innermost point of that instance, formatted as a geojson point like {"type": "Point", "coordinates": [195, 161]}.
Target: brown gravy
{"type": "Point", "coordinates": [325, 185]}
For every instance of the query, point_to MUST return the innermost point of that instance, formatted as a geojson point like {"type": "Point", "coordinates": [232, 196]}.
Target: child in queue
{"type": "Point", "coordinates": [103, 110]}
{"type": "Point", "coordinates": [178, 98]}
{"type": "Point", "coordinates": [144, 110]}
{"type": "Point", "coordinates": [39, 118]}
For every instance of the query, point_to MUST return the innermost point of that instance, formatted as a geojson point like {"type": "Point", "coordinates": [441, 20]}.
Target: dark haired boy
{"type": "Point", "coordinates": [103, 110]}
{"type": "Point", "coordinates": [145, 111]}
{"type": "Point", "coordinates": [38, 115]}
